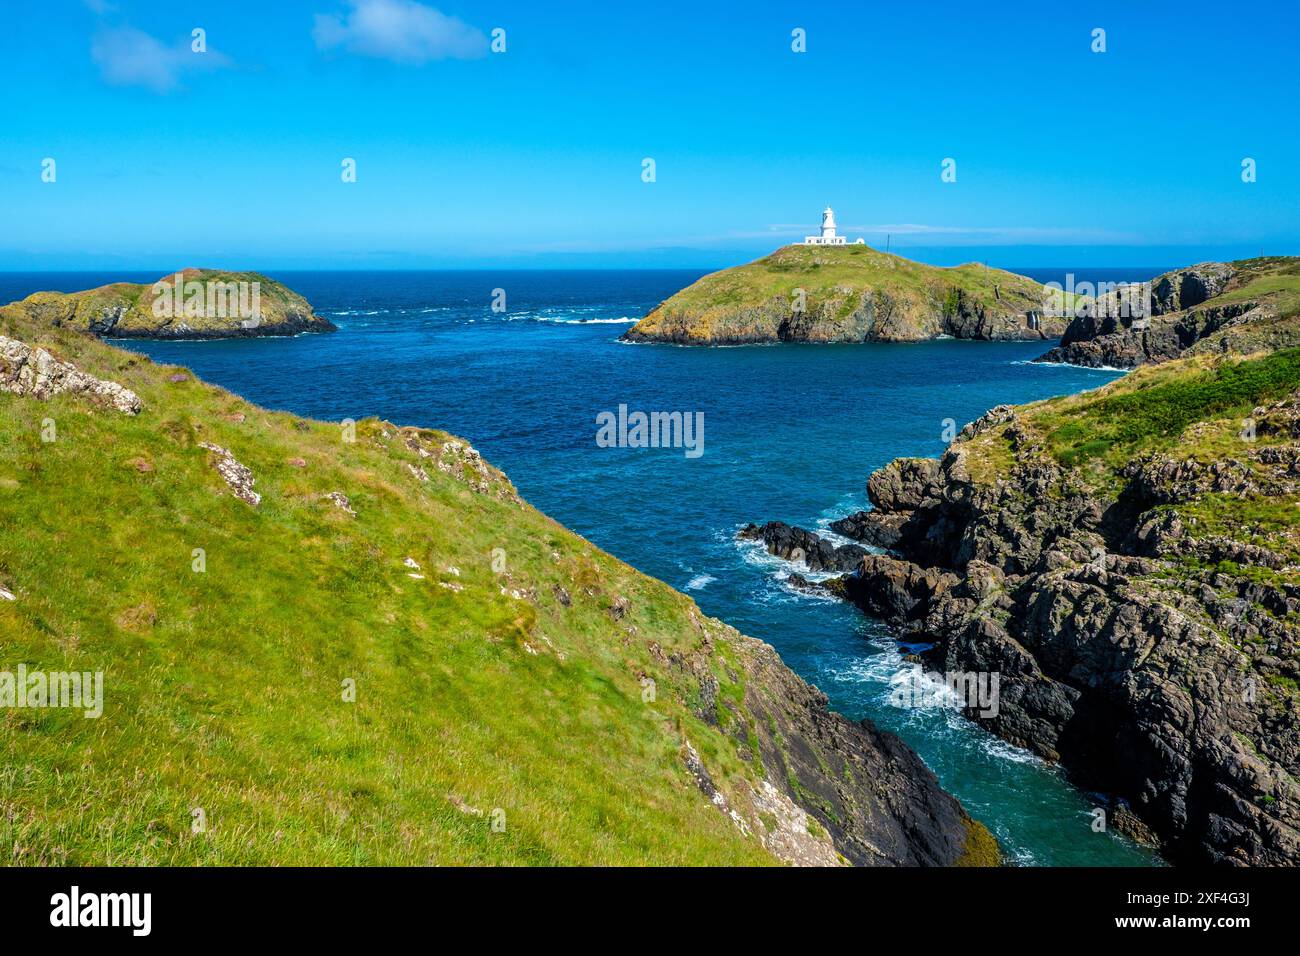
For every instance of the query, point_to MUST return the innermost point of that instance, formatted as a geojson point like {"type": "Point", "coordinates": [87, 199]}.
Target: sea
{"type": "Point", "coordinates": [790, 432]}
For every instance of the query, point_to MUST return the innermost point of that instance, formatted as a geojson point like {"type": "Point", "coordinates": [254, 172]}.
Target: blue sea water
{"type": "Point", "coordinates": [791, 433]}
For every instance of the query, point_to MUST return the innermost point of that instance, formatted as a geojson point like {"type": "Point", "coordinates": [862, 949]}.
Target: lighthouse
{"type": "Point", "coordinates": [828, 236]}
{"type": "Point", "coordinates": [828, 226]}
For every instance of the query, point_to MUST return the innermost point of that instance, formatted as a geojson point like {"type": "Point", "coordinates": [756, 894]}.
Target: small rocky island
{"type": "Point", "coordinates": [189, 304]}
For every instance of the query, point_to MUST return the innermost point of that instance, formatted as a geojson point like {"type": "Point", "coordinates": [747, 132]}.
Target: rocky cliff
{"type": "Point", "coordinates": [1128, 561]}
{"type": "Point", "coordinates": [1247, 306]}
{"type": "Point", "coordinates": [343, 644]}
{"type": "Point", "coordinates": [190, 304]}
{"type": "Point", "coordinates": [848, 294]}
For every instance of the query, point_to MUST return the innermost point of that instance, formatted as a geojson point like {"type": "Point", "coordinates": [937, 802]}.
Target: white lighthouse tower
{"type": "Point", "coordinates": [828, 236]}
{"type": "Point", "coordinates": [828, 226]}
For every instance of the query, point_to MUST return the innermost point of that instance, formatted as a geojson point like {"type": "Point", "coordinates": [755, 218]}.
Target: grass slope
{"type": "Point", "coordinates": [223, 689]}
{"type": "Point", "coordinates": [502, 666]}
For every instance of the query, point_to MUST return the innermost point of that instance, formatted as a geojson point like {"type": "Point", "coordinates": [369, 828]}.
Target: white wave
{"type": "Point", "coordinates": [886, 667]}
{"type": "Point", "coordinates": [755, 552]}
{"type": "Point", "coordinates": [1002, 750]}
{"type": "Point", "coordinates": [699, 582]}
{"type": "Point", "coordinates": [621, 321]}
{"type": "Point", "coordinates": [824, 529]}
{"type": "Point", "coordinates": [806, 595]}
{"type": "Point", "coordinates": [1081, 368]}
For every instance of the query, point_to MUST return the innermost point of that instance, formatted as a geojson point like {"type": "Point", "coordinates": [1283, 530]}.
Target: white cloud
{"type": "Point", "coordinates": [400, 30]}
{"type": "Point", "coordinates": [130, 57]}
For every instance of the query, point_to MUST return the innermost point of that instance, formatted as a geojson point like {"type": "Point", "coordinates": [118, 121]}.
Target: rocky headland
{"type": "Point", "coordinates": [1213, 308]}
{"type": "Point", "coordinates": [1128, 561]}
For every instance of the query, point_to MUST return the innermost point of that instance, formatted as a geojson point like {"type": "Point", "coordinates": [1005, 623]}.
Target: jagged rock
{"type": "Point", "coordinates": [459, 460]}
{"type": "Point", "coordinates": [893, 589]}
{"type": "Point", "coordinates": [1119, 332]}
{"type": "Point", "coordinates": [800, 546]}
{"type": "Point", "coordinates": [872, 528]}
{"type": "Point", "coordinates": [905, 484]}
{"type": "Point", "coordinates": [35, 373]}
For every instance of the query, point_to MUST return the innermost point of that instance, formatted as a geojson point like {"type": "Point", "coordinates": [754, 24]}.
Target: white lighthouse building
{"type": "Point", "coordinates": [828, 236]}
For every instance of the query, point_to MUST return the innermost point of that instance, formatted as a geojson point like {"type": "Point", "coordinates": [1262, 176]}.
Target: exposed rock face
{"type": "Point", "coordinates": [1184, 314]}
{"type": "Point", "coordinates": [191, 304]}
{"type": "Point", "coordinates": [458, 459]}
{"type": "Point", "coordinates": [868, 790]}
{"type": "Point", "coordinates": [1166, 683]}
{"type": "Point", "coordinates": [1164, 339]}
{"type": "Point", "coordinates": [849, 294]}
{"type": "Point", "coordinates": [34, 372]}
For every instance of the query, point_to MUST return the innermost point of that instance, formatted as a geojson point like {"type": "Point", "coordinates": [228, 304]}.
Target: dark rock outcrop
{"type": "Point", "coordinates": [803, 547]}
{"type": "Point", "coordinates": [876, 798]}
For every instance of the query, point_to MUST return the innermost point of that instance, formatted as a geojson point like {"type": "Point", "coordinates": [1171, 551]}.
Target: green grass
{"type": "Point", "coordinates": [1275, 279]}
{"type": "Point", "coordinates": [223, 689]}
{"type": "Point", "coordinates": [1151, 410]}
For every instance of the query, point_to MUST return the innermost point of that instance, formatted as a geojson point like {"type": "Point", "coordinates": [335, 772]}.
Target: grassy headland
{"type": "Point", "coordinates": [389, 659]}
{"type": "Point", "coordinates": [849, 293]}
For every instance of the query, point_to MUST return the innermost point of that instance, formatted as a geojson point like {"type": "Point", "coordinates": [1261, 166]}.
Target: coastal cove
{"type": "Point", "coordinates": [793, 431]}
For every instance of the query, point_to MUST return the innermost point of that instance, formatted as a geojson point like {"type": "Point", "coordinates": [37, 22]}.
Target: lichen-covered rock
{"type": "Point", "coordinates": [238, 477]}
{"type": "Point", "coordinates": [35, 373]}
{"type": "Point", "coordinates": [339, 500]}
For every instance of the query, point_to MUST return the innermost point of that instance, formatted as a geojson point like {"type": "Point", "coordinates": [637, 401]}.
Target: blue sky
{"type": "Point", "coordinates": [533, 157]}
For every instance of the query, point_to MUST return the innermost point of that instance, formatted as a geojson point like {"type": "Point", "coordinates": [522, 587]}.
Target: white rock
{"type": "Point", "coordinates": [36, 373]}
